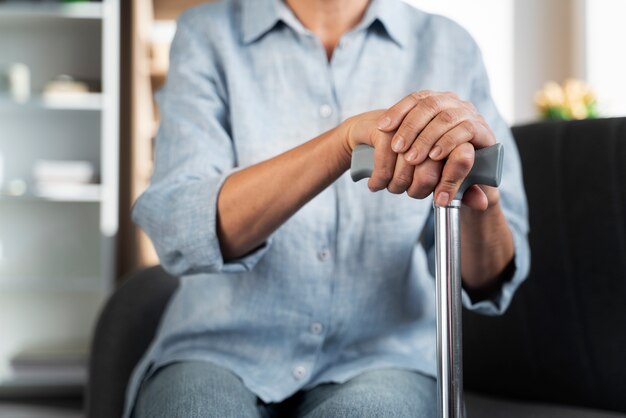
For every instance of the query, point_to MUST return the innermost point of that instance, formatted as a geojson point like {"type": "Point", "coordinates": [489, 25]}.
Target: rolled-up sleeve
{"type": "Point", "coordinates": [194, 155]}
{"type": "Point", "coordinates": [512, 195]}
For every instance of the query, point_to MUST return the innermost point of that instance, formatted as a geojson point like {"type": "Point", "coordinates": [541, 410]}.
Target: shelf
{"type": "Point", "coordinates": [15, 389]}
{"type": "Point", "coordinates": [90, 193]}
{"type": "Point", "coordinates": [51, 285]}
{"type": "Point", "coordinates": [31, 9]}
{"type": "Point", "coordinates": [86, 101]}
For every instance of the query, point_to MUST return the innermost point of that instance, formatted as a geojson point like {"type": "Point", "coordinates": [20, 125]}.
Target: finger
{"type": "Point", "coordinates": [402, 176]}
{"type": "Point", "coordinates": [414, 123]}
{"type": "Point", "coordinates": [475, 198]}
{"type": "Point", "coordinates": [472, 131]}
{"type": "Point", "coordinates": [391, 119]}
{"type": "Point", "coordinates": [443, 122]}
{"type": "Point", "coordinates": [384, 161]}
{"type": "Point", "coordinates": [425, 177]}
{"type": "Point", "coordinates": [456, 168]}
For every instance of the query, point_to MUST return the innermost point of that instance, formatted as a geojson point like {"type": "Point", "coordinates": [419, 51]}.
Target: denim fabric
{"type": "Point", "coordinates": [202, 389]}
{"type": "Point", "coordinates": [344, 286]}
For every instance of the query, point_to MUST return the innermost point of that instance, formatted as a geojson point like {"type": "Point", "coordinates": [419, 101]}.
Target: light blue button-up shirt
{"type": "Point", "coordinates": [345, 285]}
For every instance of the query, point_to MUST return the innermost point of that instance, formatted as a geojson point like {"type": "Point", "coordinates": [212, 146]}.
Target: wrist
{"type": "Point", "coordinates": [337, 149]}
{"type": "Point", "coordinates": [345, 130]}
{"type": "Point", "coordinates": [343, 135]}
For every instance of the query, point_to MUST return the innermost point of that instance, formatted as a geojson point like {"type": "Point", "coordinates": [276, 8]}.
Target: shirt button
{"type": "Point", "coordinates": [323, 255]}
{"type": "Point", "coordinates": [299, 372]}
{"type": "Point", "coordinates": [317, 328]}
{"type": "Point", "coordinates": [326, 111]}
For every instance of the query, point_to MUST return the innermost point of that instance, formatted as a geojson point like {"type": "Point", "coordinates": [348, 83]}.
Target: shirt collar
{"type": "Point", "coordinates": [392, 16]}
{"type": "Point", "coordinates": [260, 16]}
{"type": "Point", "coordinates": [257, 17]}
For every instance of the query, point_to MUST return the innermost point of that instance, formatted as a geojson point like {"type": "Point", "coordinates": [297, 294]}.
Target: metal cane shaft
{"type": "Point", "coordinates": [487, 170]}
{"type": "Point", "coordinates": [449, 323]}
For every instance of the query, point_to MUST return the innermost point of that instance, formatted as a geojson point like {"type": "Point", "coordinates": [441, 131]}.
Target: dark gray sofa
{"type": "Point", "coordinates": [558, 351]}
{"type": "Point", "coordinates": [563, 339]}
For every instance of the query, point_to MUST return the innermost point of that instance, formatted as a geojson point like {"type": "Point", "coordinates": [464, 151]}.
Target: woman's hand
{"type": "Point", "coordinates": [391, 171]}
{"type": "Point", "coordinates": [414, 138]}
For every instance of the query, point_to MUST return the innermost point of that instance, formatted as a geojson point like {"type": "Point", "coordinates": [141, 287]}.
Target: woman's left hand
{"type": "Point", "coordinates": [432, 126]}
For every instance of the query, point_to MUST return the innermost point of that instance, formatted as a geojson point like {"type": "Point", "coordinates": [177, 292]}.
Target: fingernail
{"type": "Point", "coordinates": [436, 152]}
{"type": "Point", "coordinates": [384, 122]}
{"type": "Point", "coordinates": [399, 144]}
{"type": "Point", "coordinates": [442, 199]}
{"type": "Point", "coordinates": [411, 155]}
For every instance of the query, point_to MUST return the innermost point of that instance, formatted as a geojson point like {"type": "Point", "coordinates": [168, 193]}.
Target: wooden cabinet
{"type": "Point", "coordinates": [148, 28]}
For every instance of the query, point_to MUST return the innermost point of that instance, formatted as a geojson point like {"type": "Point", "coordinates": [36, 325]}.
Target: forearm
{"type": "Point", "coordinates": [257, 200]}
{"type": "Point", "coordinates": [486, 246]}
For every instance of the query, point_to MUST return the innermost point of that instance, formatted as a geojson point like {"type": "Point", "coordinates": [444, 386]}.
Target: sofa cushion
{"type": "Point", "coordinates": [480, 406]}
{"type": "Point", "coordinates": [563, 338]}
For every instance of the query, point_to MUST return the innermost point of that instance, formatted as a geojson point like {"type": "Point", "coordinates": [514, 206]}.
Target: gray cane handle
{"type": "Point", "coordinates": [487, 169]}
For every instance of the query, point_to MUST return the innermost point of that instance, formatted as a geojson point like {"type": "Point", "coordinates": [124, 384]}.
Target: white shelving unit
{"type": "Point", "coordinates": [26, 9]}
{"type": "Point", "coordinates": [57, 252]}
{"type": "Point", "coordinates": [87, 101]}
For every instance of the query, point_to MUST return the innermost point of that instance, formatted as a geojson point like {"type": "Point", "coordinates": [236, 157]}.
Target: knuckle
{"type": "Point", "coordinates": [457, 171]}
{"type": "Point", "coordinates": [465, 161]}
{"type": "Point", "coordinates": [372, 131]}
{"type": "Point", "coordinates": [376, 184]}
{"type": "Point", "coordinates": [408, 125]}
{"type": "Point", "coordinates": [402, 181]}
{"type": "Point", "coordinates": [430, 178]}
{"type": "Point", "coordinates": [448, 116]}
{"type": "Point", "coordinates": [417, 193]}
{"type": "Point", "coordinates": [470, 128]}
{"type": "Point", "coordinates": [395, 112]}
{"type": "Point", "coordinates": [420, 94]}
{"type": "Point", "coordinates": [416, 95]}
{"type": "Point", "coordinates": [470, 106]}
{"type": "Point", "coordinates": [424, 184]}
{"type": "Point", "coordinates": [398, 186]}
{"type": "Point", "coordinates": [421, 192]}
{"type": "Point", "coordinates": [450, 184]}
{"type": "Point", "coordinates": [424, 139]}
{"type": "Point", "coordinates": [385, 175]}
{"type": "Point", "coordinates": [432, 103]}
{"type": "Point", "coordinates": [447, 142]}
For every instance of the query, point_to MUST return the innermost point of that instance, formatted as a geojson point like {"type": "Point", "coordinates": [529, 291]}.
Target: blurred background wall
{"type": "Point", "coordinates": [525, 44]}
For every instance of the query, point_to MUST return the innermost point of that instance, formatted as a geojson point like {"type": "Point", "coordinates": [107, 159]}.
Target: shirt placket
{"type": "Point", "coordinates": [325, 108]}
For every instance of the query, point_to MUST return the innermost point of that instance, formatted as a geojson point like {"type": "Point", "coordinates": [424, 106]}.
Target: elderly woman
{"type": "Point", "coordinates": [302, 293]}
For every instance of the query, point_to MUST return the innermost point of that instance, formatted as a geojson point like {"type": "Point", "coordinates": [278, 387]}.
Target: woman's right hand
{"type": "Point", "coordinates": [391, 170]}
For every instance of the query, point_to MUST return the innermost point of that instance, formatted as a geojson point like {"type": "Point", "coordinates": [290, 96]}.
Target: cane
{"type": "Point", "coordinates": [487, 170]}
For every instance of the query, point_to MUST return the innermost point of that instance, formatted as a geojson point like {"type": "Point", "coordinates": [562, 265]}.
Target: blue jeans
{"type": "Point", "coordinates": [199, 389]}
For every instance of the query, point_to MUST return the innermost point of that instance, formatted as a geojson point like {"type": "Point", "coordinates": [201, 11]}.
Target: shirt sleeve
{"type": "Point", "coordinates": [194, 155]}
{"type": "Point", "coordinates": [512, 195]}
